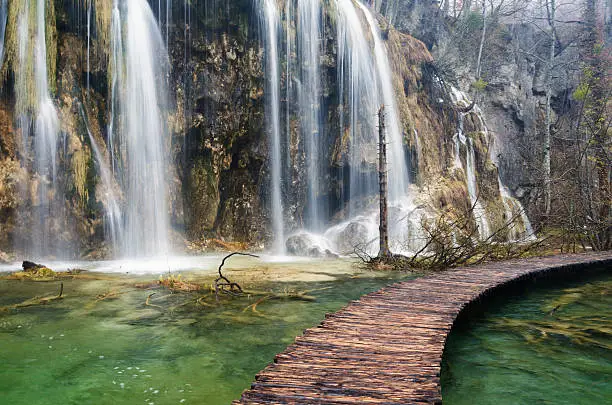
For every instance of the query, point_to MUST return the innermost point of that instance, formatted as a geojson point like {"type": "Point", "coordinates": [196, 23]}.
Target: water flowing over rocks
{"type": "Point", "coordinates": [259, 124]}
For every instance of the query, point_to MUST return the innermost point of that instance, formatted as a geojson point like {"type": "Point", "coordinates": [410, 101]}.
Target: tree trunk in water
{"type": "Point", "coordinates": [382, 181]}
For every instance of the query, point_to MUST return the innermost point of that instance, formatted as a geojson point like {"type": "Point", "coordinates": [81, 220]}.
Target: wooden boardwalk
{"type": "Point", "coordinates": [386, 348]}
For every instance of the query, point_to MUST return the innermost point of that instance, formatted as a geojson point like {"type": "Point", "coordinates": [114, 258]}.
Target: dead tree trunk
{"type": "Point", "coordinates": [384, 251]}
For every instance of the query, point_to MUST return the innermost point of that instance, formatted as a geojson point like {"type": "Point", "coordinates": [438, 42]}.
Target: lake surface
{"type": "Point", "coordinates": [550, 344]}
{"type": "Point", "coordinates": [102, 343]}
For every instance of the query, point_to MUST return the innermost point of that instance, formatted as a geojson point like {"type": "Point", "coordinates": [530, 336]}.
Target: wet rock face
{"type": "Point", "coordinates": [307, 245]}
{"type": "Point", "coordinates": [221, 147]}
{"type": "Point", "coordinates": [354, 236]}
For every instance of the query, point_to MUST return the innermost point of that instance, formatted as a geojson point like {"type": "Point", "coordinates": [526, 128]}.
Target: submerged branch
{"type": "Point", "coordinates": [232, 288]}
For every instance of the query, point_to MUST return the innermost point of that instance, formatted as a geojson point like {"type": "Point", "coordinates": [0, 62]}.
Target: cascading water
{"type": "Point", "coordinates": [359, 90]}
{"type": "Point", "coordinates": [458, 139]}
{"type": "Point", "coordinates": [3, 17]}
{"type": "Point", "coordinates": [116, 66]}
{"type": "Point", "coordinates": [139, 142]}
{"type": "Point", "coordinates": [512, 206]}
{"type": "Point", "coordinates": [478, 211]}
{"type": "Point", "coordinates": [35, 106]}
{"type": "Point", "coordinates": [365, 83]}
{"type": "Point", "coordinates": [108, 193]}
{"type": "Point", "coordinates": [88, 39]}
{"type": "Point", "coordinates": [309, 92]}
{"type": "Point", "coordinates": [270, 22]}
{"type": "Point", "coordinates": [480, 215]}
{"type": "Point", "coordinates": [398, 172]}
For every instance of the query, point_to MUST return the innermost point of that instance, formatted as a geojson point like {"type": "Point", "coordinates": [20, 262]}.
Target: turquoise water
{"type": "Point", "coordinates": [548, 345]}
{"type": "Point", "coordinates": [81, 350]}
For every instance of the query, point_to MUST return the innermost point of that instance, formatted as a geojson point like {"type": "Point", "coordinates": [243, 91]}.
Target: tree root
{"type": "Point", "coordinates": [223, 284]}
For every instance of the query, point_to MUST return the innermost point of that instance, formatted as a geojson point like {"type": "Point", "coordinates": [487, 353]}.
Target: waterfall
{"type": "Point", "coordinates": [117, 72]}
{"type": "Point", "coordinates": [270, 21]}
{"type": "Point", "coordinates": [458, 139]}
{"type": "Point", "coordinates": [37, 116]}
{"type": "Point", "coordinates": [359, 92]}
{"type": "Point", "coordinates": [365, 82]}
{"type": "Point", "coordinates": [309, 92]}
{"type": "Point", "coordinates": [398, 172]}
{"type": "Point", "coordinates": [138, 144]}
{"type": "Point", "coordinates": [511, 205]}
{"type": "Point", "coordinates": [3, 17]}
{"type": "Point", "coordinates": [108, 192]}
{"type": "Point", "coordinates": [366, 78]}
{"type": "Point", "coordinates": [88, 38]}
{"type": "Point", "coordinates": [479, 212]}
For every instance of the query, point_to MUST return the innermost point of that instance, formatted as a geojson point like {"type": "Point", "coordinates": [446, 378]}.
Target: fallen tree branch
{"type": "Point", "coordinates": [148, 303]}
{"type": "Point", "coordinates": [222, 282]}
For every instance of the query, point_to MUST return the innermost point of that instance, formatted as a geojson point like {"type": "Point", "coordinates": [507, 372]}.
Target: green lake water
{"type": "Point", "coordinates": [120, 351]}
{"type": "Point", "coordinates": [549, 344]}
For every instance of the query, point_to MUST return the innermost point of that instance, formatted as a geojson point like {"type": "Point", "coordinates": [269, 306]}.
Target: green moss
{"type": "Point", "coordinates": [51, 39]}
{"type": "Point", "coordinates": [25, 74]}
{"type": "Point", "coordinates": [80, 165]}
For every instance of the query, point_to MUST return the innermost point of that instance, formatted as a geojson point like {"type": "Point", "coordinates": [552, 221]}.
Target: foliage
{"type": "Point", "coordinates": [479, 85]}
{"type": "Point", "coordinates": [473, 21]}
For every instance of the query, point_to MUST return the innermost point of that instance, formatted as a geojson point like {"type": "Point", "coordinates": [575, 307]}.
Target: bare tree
{"type": "Point", "coordinates": [384, 251]}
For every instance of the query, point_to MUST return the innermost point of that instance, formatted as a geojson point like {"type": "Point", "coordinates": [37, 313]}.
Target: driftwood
{"type": "Point", "coordinates": [35, 301]}
{"type": "Point", "coordinates": [223, 284]}
{"type": "Point", "coordinates": [298, 296]}
{"type": "Point", "coordinates": [148, 302]}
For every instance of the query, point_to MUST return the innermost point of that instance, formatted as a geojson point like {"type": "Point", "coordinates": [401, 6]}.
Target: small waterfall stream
{"type": "Point", "coordinates": [308, 84]}
{"type": "Point", "coordinates": [365, 82]}
{"type": "Point", "coordinates": [358, 87]}
{"type": "Point", "coordinates": [108, 193]}
{"type": "Point", "coordinates": [512, 206]}
{"type": "Point", "coordinates": [270, 21]}
{"type": "Point", "coordinates": [3, 18]}
{"type": "Point", "coordinates": [480, 215]}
